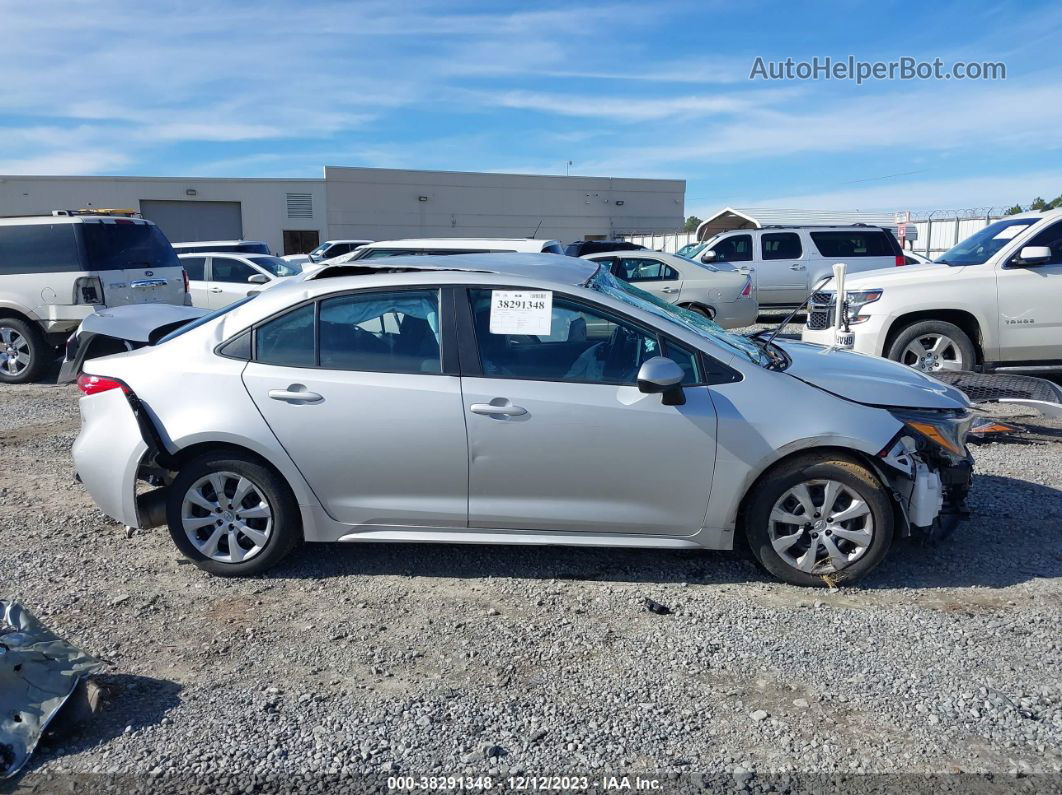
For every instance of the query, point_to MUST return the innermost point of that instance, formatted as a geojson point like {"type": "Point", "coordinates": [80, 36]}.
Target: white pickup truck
{"type": "Point", "coordinates": [993, 302]}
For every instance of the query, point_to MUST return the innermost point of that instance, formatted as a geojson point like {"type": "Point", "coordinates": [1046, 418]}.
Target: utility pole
{"type": "Point", "coordinates": [567, 166]}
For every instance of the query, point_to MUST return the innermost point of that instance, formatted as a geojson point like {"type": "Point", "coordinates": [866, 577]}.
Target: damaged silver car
{"type": "Point", "coordinates": [513, 399]}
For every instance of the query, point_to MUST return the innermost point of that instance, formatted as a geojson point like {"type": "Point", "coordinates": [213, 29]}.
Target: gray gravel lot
{"type": "Point", "coordinates": [430, 659]}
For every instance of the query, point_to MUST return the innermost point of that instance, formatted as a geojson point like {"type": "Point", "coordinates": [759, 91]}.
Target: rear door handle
{"type": "Point", "coordinates": [295, 396]}
{"type": "Point", "coordinates": [491, 410]}
{"type": "Point", "coordinates": [669, 289]}
{"type": "Point", "coordinates": [215, 289]}
{"type": "Point", "coordinates": [796, 266]}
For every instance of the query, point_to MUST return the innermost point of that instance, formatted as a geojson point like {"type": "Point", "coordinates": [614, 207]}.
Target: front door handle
{"type": "Point", "coordinates": [291, 395]}
{"type": "Point", "coordinates": [490, 410]}
{"type": "Point", "coordinates": [669, 289]}
{"type": "Point", "coordinates": [215, 289]}
{"type": "Point", "coordinates": [796, 266]}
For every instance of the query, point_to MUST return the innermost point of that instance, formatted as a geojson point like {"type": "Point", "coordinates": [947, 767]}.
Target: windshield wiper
{"type": "Point", "coordinates": [778, 357]}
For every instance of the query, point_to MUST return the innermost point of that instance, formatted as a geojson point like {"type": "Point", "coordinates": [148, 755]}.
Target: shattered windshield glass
{"type": "Point", "coordinates": [604, 282]}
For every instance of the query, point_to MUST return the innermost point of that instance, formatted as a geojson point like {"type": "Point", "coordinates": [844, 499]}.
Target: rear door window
{"type": "Point", "coordinates": [288, 340]}
{"type": "Point", "coordinates": [781, 245]}
{"type": "Point", "coordinates": [125, 244]}
{"type": "Point", "coordinates": [854, 243]}
{"type": "Point", "coordinates": [382, 332]}
{"type": "Point", "coordinates": [196, 268]}
{"type": "Point", "coordinates": [38, 248]}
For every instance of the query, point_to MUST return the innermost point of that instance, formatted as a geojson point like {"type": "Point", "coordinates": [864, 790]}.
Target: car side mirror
{"type": "Point", "coordinates": [662, 376]}
{"type": "Point", "coordinates": [1033, 256]}
{"type": "Point", "coordinates": [709, 256]}
{"type": "Point", "coordinates": [258, 278]}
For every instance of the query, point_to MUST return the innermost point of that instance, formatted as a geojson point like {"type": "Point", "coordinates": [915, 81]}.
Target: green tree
{"type": "Point", "coordinates": [691, 224]}
{"type": "Point", "coordinates": [1014, 210]}
{"type": "Point", "coordinates": [1038, 204]}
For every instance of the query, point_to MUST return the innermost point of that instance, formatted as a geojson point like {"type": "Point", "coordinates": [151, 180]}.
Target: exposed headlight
{"type": "Point", "coordinates": [945, 430]}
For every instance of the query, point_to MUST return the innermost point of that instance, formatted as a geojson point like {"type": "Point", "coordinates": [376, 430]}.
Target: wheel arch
{"type": "Point", "coordinates": [175, 459]}
{"type": "Point", "coordinates": [854, 455]}
{"type": "Point", "coordinates": [964, 319]}
{"type": "Point", "coordinates": [711, 310]}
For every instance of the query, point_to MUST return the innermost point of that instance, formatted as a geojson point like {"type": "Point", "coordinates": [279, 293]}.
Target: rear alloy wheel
{"type": "Point", "coordinates": [23, 351]}
{"type": "Point", "coordinates": [819, 519]}
{"type": "Point", "coordinates": [231, 515]}
{"type": "Point", "coordinates": [934, 345]}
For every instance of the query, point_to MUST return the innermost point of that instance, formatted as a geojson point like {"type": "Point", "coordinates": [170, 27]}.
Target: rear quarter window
{"type": "Point", "coordinates": [856, 243]}
{"type": "Point", "coordinates": [39, 248]}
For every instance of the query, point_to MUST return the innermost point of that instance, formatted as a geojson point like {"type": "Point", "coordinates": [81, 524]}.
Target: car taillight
{"type": "Point", "coordinates": [746, 291]}
{"type": "Point", "coordinates": [94, 384]}
{"type": "Point", "coordinates": [184, 273]}
{"type": "Point", "coordinates": [900, 260]}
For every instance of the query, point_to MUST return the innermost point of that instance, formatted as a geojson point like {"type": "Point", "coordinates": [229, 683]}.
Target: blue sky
{"type": "Point", "coordinates": [657, 89]}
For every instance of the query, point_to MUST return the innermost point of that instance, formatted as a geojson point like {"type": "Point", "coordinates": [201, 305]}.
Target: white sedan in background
{"type": "Point", "coordinates": [718, 292]}
{"type": "Point", "coordinates": [216, 279]}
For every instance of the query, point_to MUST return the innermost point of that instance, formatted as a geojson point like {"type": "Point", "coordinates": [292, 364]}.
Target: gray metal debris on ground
{"type": "Point", "coordinates": [38, 673]}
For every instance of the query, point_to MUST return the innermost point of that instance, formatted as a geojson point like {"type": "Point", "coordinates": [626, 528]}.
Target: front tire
{"type": "Point", "coordinates": [24, 351]}
{"type": "Point", "coordinates": [933, 345]}
{"type": "Point", "coordinates": [819, 519]}
{"type": "Point", "coordinates": [231, 515]}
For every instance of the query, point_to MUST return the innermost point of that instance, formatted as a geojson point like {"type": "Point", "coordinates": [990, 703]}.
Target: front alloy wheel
{"type": "Point", "coordinates": [819, 519]}
{"type": "Point", "coordinates": [821, 526]}
{"type": "Point", "coordinates": [933, 352]}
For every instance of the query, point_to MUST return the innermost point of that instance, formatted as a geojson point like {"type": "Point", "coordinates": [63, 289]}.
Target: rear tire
{"type": "Point", "coordinates": [24, 351]}
{"type": "Point", "coordinates": [819, 519]}
{"type": "Point", "coordinates": [231, 515]}
{"type": "Point", "coordinates": [933, 345]}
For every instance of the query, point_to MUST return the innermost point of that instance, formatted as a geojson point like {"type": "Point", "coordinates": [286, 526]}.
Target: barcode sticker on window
{"type": "Point", "coordinates": [520, 312]}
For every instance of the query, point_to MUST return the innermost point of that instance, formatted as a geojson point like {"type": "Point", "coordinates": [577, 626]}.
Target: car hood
{"type": "Point", "coordinates": [868, 379]}
{"type": "Point", "coordinates": [908, 274]}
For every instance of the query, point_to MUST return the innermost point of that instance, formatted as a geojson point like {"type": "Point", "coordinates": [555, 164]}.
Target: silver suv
{"type": "Point", "coordinates": [57, 270]}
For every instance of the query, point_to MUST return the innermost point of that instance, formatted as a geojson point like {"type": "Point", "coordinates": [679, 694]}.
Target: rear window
{"type": "Point", "coordinates": [856, 243]}
{"type": "Point", "coordinates": [38, 248]}
{"type": "Point", "coordinates": [117, 246]}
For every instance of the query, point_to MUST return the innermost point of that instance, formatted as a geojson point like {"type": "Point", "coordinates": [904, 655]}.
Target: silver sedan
{"type": "Point", "coordinates": [512, 399]}
{"type": "Point", "coordinates": [719, 292]}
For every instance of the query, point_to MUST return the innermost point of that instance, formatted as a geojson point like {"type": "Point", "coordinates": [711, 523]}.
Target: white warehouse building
{"type": "Point", "coordinates": [294, 215]}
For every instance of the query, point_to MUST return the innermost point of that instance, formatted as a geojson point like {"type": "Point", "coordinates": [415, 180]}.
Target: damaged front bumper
{"type": "Point", "coordinates": [929, 486]}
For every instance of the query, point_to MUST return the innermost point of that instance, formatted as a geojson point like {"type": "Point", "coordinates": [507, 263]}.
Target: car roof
{"type": "Point", "coordinates": [545, 267]}
{"type": "Point", "coordinates": [540, 271]}
{"type": "Point", "coordinates": [216, 242]}
{"type": "Point", "coordinates": [528, 243]}
{"type": "Point", "coordinates": [22, 220]}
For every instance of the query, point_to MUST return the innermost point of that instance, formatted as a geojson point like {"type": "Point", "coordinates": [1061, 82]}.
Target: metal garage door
{"type": "Point", "coordinates": [183, 221]}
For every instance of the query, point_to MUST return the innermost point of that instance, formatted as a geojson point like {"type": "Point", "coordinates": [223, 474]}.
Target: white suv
{"type": "Point", "coordinates": [994, 301]}
{"type": "Point", "coordinates": [56, 270]}
{"type": "Point", "coordinates": [789, 260]}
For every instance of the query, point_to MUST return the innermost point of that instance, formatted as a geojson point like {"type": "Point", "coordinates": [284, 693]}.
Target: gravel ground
{"type": "Point", "coordinates": [349, 664]}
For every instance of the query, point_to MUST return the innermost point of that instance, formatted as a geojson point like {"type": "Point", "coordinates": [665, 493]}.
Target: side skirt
{"type": "Point", "coordinates": [522, 537]}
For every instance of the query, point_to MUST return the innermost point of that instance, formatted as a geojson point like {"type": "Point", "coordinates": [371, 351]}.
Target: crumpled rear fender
{"type": "Point", "coordinates": [108, 452]}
